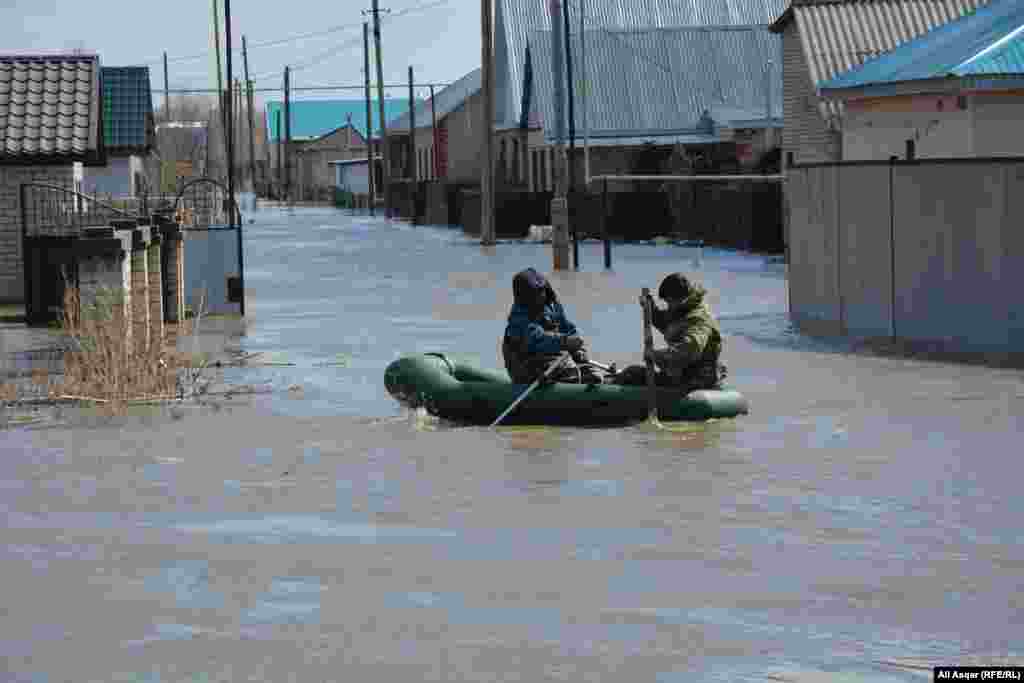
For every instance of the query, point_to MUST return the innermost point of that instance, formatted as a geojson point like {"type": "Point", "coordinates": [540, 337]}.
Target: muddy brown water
{"type": "Point", "coordinates": [862, 523]}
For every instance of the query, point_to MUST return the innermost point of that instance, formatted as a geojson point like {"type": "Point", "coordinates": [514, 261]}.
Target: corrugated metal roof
{"type": "Point", "coordinates": [966, 46]}
{"type": "Point", "coordinates": [447, 100]}
{"type": "Point", "coordinates": [50, 109]}
{"type": "Point", "coordinates": [838, 35]}
{"type": "Point", "coordinates": [127, 108]}
{"type": "Point", "coordinates": [314, 118]}
{"type": "Point", "coordinates": [664, 79]}
{"type": "Point", "coordinates": [519, 21]}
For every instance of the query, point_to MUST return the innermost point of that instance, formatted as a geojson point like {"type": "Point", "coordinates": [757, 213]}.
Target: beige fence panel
{"type": "Point", "coordinates": [814, 296]}
{"type": "Point", "coordinates": [1012, 286]}
{"type": "Point", "coordinates": [948, 226]}
{"type": "Point", "coordinates": [865, 266]}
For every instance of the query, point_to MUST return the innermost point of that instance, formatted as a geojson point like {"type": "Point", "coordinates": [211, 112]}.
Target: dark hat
{"type": "Point", "coordinates": [674, 286]}
{"type": "Point", "coordinates": [529, 287]}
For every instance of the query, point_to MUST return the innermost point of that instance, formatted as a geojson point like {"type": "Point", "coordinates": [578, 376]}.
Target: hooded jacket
{"type": "Point", "coordinates": [537, 323]}
{"type": "Point", "coordinates": [690, 329]}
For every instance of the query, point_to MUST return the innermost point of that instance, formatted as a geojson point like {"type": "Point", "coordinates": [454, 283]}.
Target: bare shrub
{"type": "Point", "coordinates": [106, 364]}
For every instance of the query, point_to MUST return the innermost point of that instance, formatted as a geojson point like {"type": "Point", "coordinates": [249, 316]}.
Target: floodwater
{"type": "Point", "coordinates": [862, 523]}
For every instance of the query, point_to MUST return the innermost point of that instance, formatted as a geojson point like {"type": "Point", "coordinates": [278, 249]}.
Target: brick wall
{"type": "Point", "coordinates": [805, 133]}
{"type": "Point", "coordinates": [12, 279]}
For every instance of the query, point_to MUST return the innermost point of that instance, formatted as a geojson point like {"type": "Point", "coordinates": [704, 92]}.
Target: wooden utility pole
{"type": "Point", "coordinates": [487, 124]}
{"type": "Point", "coordinates": [280, 156]}
{"type": "Point", "coordinates": [235, 218]}
{"type": "Point", "coordinates": [287, 137]}
{"type": "Point", "coordinates": [220, 82]}
{"type": "Point", "coordinates": [559, 204]}
{"type": "Point", "coordinates": [385, 155]}
{"type": "Point", "coordinates": [414, 157]}
{"type": "Point", "coordinates": [572, 134]}
{"type": "Point", "coordinates": [436, 166]}
{"type": "Point", "coordinates": [167, 93]}
{"type": "Point", "coordinates": [252, 142]}
{"type": "Point", "coordinates": [371, 164]}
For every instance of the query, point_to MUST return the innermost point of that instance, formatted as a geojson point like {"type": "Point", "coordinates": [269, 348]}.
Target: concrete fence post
{"type": "Point", "coordinates": [140, 287]}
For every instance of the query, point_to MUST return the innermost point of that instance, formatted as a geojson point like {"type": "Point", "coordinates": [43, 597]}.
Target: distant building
{"type": "Point", "coordinates": [42, 143]}
{"type": "Point", "coordinates": [956, 91]}
{"type": "Point", "coordinates": [321, 131]}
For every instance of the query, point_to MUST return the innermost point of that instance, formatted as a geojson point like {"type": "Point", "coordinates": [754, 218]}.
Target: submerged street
{"type": "Point", "coordinates": [861, 523]}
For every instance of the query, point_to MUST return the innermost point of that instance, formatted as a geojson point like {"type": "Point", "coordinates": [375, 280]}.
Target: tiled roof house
{"type": "Point", "coordinates": [50, 118]}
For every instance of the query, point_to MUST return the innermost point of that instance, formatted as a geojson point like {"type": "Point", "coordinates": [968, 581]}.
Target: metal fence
{"type": "Point", "coordinates": [925, 251]}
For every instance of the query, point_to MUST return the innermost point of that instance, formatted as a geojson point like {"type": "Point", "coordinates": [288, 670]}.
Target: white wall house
{"type": "Point", "coordinates": [941, 126]}
{"type": "Point", "coordinates": [352, 175]}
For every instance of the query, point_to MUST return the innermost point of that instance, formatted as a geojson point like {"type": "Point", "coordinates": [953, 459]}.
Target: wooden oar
{"type": "Point", "coordinates": [551, 368]}
{"type": "Point", "coordinates": [652, 395]}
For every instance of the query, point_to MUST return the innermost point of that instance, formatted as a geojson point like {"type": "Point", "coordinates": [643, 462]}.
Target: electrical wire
{"type": "Point", "coordinates": [315, 34]}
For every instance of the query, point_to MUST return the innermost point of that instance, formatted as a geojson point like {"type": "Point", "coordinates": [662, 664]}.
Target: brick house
{"type": "Point", "coordinates": [50, 118]}
{"type": "Point", "coordinates": [817, 45]}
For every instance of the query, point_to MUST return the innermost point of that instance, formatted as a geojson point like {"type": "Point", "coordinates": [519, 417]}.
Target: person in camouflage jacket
{"type": "Point", "coordinates": [694, 342]}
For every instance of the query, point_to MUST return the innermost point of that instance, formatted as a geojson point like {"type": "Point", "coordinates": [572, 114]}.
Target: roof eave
{"type": "Point", "coordinates": [929, 86]}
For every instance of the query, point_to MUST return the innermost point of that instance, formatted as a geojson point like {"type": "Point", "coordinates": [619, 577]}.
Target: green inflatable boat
{"type": "Point", "coordinates": [456, 390]}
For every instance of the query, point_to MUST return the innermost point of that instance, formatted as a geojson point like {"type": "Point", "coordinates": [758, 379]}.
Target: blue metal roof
{"type": "Point", "coordinates": [662, 80]}
{"type": "Point", "coordinates": [986, 42]}
{"type": "Point", "coordinates": [311, 119]}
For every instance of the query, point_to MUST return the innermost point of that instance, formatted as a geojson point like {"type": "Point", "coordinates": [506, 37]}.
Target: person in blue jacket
{"type": "Point", "coordinates": [538, 331]}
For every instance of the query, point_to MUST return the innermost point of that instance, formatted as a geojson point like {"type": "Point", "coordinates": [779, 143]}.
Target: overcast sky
{"type": "Point", "coordinates": [440, 39]}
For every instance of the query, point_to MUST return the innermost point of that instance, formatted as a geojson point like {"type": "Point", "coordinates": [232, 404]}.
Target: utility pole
{"type": "Point", "coordinates": [487, 124]}
{"type": "Point", "coordinates": [559, 204]}
{"type": "Point", "coordinates": [433, 135]}
{"type": "Point", "coordinates": [413, 155]}
{"type": "Point", "coordinates": [167, 93]}
{"type": "Point", "coordinates": [584, 95]}
{"type": "Point", "coordinates": [572, 134]}
{"type": "Point", "coordinates": [280, 156]}
{"type": "Point", "coordinates": [220, 82]}
{"type": "Point", "coordinates": [385, 155]}
{"type": "Point", "coordinates": [287, 138]}
{"type": "Point", "coordinates": [252, 142]}
{"type": "Point", "coordinates": [371, 164]}
{"type": "Point", "coordinates": [235, 218]}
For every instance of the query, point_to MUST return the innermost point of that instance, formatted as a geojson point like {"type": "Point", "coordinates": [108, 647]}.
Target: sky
{"type": "Point", "coordinates": [440, 39]}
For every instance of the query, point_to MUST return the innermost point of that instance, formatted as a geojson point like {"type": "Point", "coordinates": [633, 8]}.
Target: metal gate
{"type": "Point", "coordinates": [211, 223]}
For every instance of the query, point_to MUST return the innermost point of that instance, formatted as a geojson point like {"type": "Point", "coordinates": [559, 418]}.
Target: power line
{"type": "Point", "coordinates": [315, 34]}
{"type": "Point", "coordinates": [313, 88]}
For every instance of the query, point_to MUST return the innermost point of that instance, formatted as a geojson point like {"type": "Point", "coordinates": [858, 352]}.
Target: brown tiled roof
{"type": "Point", "coordinates": [50, 109]}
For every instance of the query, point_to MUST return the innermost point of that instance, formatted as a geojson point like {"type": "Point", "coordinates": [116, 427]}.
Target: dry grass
{"type": "Point", "coordinates": [110, 367]}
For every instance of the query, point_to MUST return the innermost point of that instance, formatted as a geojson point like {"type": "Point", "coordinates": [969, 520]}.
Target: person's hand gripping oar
{"type": "Point", "coordinates": [536, 383]}
{"type": "Point", "coordinates": [652, 396]}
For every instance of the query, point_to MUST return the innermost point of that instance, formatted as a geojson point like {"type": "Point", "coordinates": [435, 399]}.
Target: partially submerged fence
{"type": "Point", "coordinates": [742, 212]}
{"type": "Point", "coordinates": [926, 251]}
